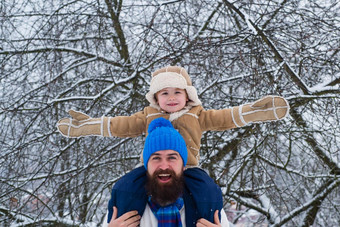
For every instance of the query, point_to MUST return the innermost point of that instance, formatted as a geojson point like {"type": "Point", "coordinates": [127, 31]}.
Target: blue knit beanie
{"type": "Point", "coordinates": [163, 136]}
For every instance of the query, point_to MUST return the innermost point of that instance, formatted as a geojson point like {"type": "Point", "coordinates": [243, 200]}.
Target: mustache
{"type": "Point", "coordinates": [163, 171]}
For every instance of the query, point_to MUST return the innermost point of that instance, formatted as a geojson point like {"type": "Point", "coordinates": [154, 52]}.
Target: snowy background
{"type": "Point", "coordinates": [98, 56]}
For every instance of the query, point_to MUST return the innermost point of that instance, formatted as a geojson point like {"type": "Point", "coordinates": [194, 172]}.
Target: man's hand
{"type": "Point", "coordinates": [131, 219]}
{"type": "Point", "coordinates": [203, 222]}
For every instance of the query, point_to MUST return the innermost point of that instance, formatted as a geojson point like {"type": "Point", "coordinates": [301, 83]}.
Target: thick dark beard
{"type": "Point", "coordinates": [165, 194]}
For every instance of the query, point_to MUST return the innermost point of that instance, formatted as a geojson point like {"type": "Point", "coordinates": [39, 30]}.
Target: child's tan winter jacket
{"type": "Point", "coordinates": [190, 123]}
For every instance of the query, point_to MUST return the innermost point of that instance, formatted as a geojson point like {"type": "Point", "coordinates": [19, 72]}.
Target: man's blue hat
{"type": "Point", "coordinates": [163, 136]}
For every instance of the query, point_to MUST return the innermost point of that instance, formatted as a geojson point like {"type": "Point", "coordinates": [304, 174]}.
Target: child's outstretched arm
{"type": "Point", "coordinates": [81, 124]}
{"type": "Point", "coordinates": [269, 108]}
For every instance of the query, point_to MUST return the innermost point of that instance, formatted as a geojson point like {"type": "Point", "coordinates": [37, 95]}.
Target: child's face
{"type": "Point", "coordinates": [172, 99]}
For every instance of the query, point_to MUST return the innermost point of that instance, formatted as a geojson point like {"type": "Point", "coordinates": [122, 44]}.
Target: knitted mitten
{"type": "Point", "coordinates": [269, 108]}
{"type": "Point", "coordinates": [83, 125]}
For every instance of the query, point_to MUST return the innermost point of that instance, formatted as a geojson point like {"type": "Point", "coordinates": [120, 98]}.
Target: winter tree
{"type": "Point", "coordinates": [97, 57]}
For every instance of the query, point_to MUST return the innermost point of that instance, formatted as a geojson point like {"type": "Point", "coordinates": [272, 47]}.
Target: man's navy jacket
{"type": "Point", "coordinates": [202, 197]}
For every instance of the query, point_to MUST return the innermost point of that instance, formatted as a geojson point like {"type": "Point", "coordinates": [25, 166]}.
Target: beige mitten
{"type": "Point", "coordinates": [83, 125]}
{"type": "Point", "coordinates": [269, 108]}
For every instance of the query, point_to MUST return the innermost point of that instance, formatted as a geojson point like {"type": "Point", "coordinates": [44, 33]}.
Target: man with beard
{"type": "Point", "coordinates": [167, 200]}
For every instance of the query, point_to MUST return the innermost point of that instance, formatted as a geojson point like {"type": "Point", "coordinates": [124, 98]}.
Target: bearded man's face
{"type": "Point", "coordinates": [165, 177]}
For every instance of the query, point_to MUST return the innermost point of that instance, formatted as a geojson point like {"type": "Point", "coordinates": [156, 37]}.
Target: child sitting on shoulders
{"type": "Point", "coordinates": [172, 96]}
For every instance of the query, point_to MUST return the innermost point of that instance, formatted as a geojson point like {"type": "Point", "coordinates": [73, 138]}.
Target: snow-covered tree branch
{"type": "Point", "coordinates": [97, 57]}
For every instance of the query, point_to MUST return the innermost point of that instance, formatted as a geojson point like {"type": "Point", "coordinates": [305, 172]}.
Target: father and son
{"type": "Point", "coordinates": [170, 189]}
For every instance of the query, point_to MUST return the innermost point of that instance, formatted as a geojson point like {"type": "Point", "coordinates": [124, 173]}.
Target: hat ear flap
{"type": "Point", "coordinates": [192, 96]}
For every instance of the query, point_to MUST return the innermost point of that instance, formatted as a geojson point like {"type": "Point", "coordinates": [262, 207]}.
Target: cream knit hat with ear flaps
{"type": "Point", "coordinates": [172, 76]}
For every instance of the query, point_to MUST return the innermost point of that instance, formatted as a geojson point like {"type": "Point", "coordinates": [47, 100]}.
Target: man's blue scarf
{"type": "Point", "coordinates": [169, 215]}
